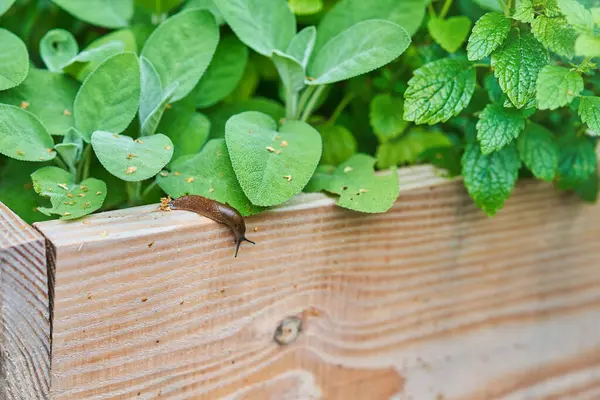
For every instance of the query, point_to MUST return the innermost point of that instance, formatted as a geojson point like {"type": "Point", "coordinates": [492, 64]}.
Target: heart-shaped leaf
{"type": "Point", "coordinates": [176, 52]}
{"type": "Point", "coordinates": [14, 60]}
{"type": "Point", "coordinates": [207, 174]}
{"type": "Point", "coordinates": [106, 13]}
{"type": "Point", "coordinates": [187, 129]}
{"type": "Point", "coordinates": [132, 160]}
{"type": "Point", "coordinates": [69, 200]}
{"type": "Point", "coordinates": [449, 33]}
{"type": "Point", "coordinates": [109, 97]}
{"type": "Point", "coordinates": [154, 99]}
{"type": "Point", "coordinates": [57, 48]}
{"type": "Point", "coordinates": [23, 136]}
{"type": "Point", "coordinates": [302, 45]}
{"type": "Point", "coordinates": [271, 165]}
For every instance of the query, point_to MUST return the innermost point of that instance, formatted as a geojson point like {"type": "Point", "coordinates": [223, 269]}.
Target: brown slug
{"type": "Point", "coordinates": [219, 212]}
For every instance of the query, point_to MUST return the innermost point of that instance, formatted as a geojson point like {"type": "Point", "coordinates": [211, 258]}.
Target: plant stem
{"type": "Point", "coordinates": [148, 189]}
{"type": "Point", "coordinates": [291, 104]}
{"type": "Point", "coordinates": [83, 169]}
{"type": "Point", "coordinates": [303, 99]}
{"type": "Point", "coordinates": [446, 8]}
{"type": "Point", "coordinates": [312, 103]}
{"type": "Point", "coordinates": [431, 10]}
{"type": "Point", "coordinates": [508, 7]}
{"type": "Point", "coordinates": [134, 190]}
{"type": "Point", "coordinates": [340, 107]}
{"type": "Point", "coordinates": [481, 65]}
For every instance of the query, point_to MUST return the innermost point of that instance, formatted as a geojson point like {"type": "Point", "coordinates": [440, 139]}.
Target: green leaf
{"type": "Point", "coordinates": [489, 32]}
{"type": "Point", "coordinates": [557, 87]}
{"type": "Point", "coordinates": [70, 149]}
{"type": "Point", "coordinates": [176, 52]}
{"type": "Point", "coordinates": [577, 15]}
{"type": "Point", "coordinates": [359, 49]}
{"type": "Point", "coordinates": [492, 5]}
{"type": "Point", "coordinates": [109, 98]}
{"type": "Point", "coordinates": [218, 116]}
{"type": "Point", "coordinates": [290, 71]}
{"type": "Point", "coordinates": [494, 90]}
{"type": "Point", "coordinates": [577, 161]}
{"type": "Point", "coordinates": [338, 144]}
{"type": "Point", "coordinates": [358, 186]}
{"type": "Point", "coordinates": [306, 7]}
{"type": "Point", "coordinates": [153, 99]}
{"type": "Point", "coordinates": [498, 126]}
{"type": "Point", "coordinates": [490, 178]}
{"type": "Point", "coordinates": [57, 48]}
{"type": "Point", "coordinates": [69, 200]}
{"type": "Point", "coordinates": [449, 33]}
{"type": "Point", "coordinates": [263, 25]}
{"type": "Point", "coordinates": [524, 11]}
{"type": "Point", "coordinates": [132, 160]}
{"type": "Point", "coordinates": [47, 95]}
{"type": "Point", "coordinates": [207, 174]}
{"type": "Point", "coordinates": [159, 6]}
{"type": "Point", "coordinates": [517, 64]}
{"type": "Point", "coordinates": [588, 190]}
{"type": "Point", "coordinates": [439, 91]}
{"type": "Point", "coordinates": [23, 136]}
{"type": "Point", "coordinates": [587, 45]}
{"type": "Point", "coordinates": [555, 34]}
{"type": "Point", "coordinates": [187, 129]}
{"type": "Point", "coordinates": [386, 117]}
{"type": "Point", "coordinates": [302, 45]}
{"type": "Point", "coordinates": [14, 60]}
{"type": "Point", "coordinates": [206, 5]}
{"type": "Point", "coordinates": [589, 111]}
{"type": "Point", "coordinates": [407, 148]}
{"type": "Point", "coordinates": [271, 165]}
{"type": "Point", "coordinates": [105, 13]}
{"type": "Point", "coordinates": [5, 5]}
{"type": "Point", "coordinates": [539, 152]}
{"type": "Point", "coordinates": [223, 73]}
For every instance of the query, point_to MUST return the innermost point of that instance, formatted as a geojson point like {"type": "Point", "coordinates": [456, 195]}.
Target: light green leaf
{"type": "Point", "coordinates": [517, 64]}
{"type": "Point", "coordinates": [439, 91]}
{"type": "Point", "coordinates": [290, 71]}
{"type": "Point", "coordinates": [407, 148]}
{"type": "Point", "coordinates": [69, 200]}
{"type": "Point", "coordinates": [589, 111]}
{"type": "Point", "coordinates": [14, 60]}
{"type": "Point", "coordinates": [555, 34]}
{"type": "Point", "coordinates": [176, 52]}
{"type": "Point", "coordinates": [539, 151]}
{"type": "Point", "coordinates": [159, 7]}
{"type": "Point", "coordinates": [302, 45]}
{"type": "Point", "coordinates": [106, 13]}
{"type": "Point", "coordinates": [5, 5]}
{"type": "Point", "coordinates": [272, 165]}
{"type": "Point", "coordinates": [306, 7]}
{"type": "Point", "coordinates": [595, 11]}
{"type": "Point", "coordinates": [489, 32]}
{"type": "Point", "coordinates": [47, 95]}
{"type": "Point", "coordinates": [498, 126]}
{"type": "Point", "coordinates": [524, 11]}
{"type": "Point", "coordinates": [587, 45]}
{"type": "Point", "coordinates": [187, 129]}
{"type": "Point", "coordinates": [110, 96]}
{"type": "Point", "coordinates": [23, 136]}
{"type": "Point", "coordinates": [207, 174]}
{"type": "Point", "coordinates": [449, 33]}
{"type": "Point", "coordinates": [218, 116]}
{"type": "Point", "coordinates": [359, 49]}
{"type": "Point", "coordinates": [206, 5]}
{"type": "Point", "coordinates": [492, 5]}
{"type": "Point", "coordinates": [223, 73]}
{"type": "Point", "coordinates": [357, 185]}
{"type": "Point", "coordinates": [154, 100]}
{"type": "Point", "coordinates": [490, 178]}
{"type": "Point", "coordinates": [263, 25]}
{"type": "Point", "coordinates": [557, 87]}
{"type": "Point", "coordinates": [386, 117]}
{"type": "Point", "coordinates": [577, 15]}
{"type": "Point", "coordinates": [132, 160]}
{"type": "Point", "coordinates": [57, 48]}
{"type": "Point", "coordinates": [577, 161]}
{"type": "Point", "coordinates": [338, 144]}
{"type": "Point", "coordinates": [71, 148]}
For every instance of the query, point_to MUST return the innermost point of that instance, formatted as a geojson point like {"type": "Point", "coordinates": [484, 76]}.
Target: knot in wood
{"type": "Point", "coordinates": [288, 331]}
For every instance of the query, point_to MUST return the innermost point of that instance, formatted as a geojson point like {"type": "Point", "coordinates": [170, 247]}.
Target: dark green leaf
{"type": "Point", "coordinates": [539, 151]}
{"type": "Point", "coordinates": [338, 144]}
{"type": "Point", "coordinates": [407, 148]}
{"type": "Point", "coordinates": [187, 129]}
{"type": "Point", "coordinates": [589, 111]}
{"type": "Point", "coordinates": [498, 126]}
{"type": "Point", "coordinates": [386, 117]}
{"type": "Point", "coordinates": [578, 160]}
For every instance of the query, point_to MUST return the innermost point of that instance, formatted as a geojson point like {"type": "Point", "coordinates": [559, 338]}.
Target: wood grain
{"type": "Point", "coordinates": [432, 300]}
{"type": "Point", "coordinates": [24, 311]}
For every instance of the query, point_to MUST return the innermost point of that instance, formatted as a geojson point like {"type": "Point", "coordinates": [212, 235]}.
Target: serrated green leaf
{"type": "Point", "coordinates": [359, 49]}
{"type": "Point", "coordinates": [490, 178]}
{"type": "Point", "coordinates": [14, 60]}
{"type": "Point", "coordinates": [206, 5]}
{"type": "Point", "coordinates": [407, 148]}
{"type": "Point", "coordinates": [517, 64]}
{"type": "Point", "coordinates": [524, 12]}
{"type": "Point", "coordinates": [577, 161]}
{"type": "Point", "coordinates": [438, 91]}
{"type": "Point", "coordinates": [23, 136]}
{"type": "Point", "coordinates": [338, 144]}
{"type": "Point", "coordinates": [497, 127]}
{"type": "Point", "coordinates": [449, 33]}
{"type": "Point", "coordinates": [587, 45]}
{"type": "Point", "coordinates": [589, 111]}
{"type": "Point", "coordinates": [106, 13]}
{"type": "Point", "coordinates": [218, 116]}
{"type": "Point", "coordinates": [153, 98]}
{"type": "Point", "coordinates": [539, 151]}
{"type": "Point", "coordinates": [5, 5]}
{"type": "Point", "coordinates": [577, 15]}
{"type": "Point", "coordinates": [272, 165]}
{"type": "Point", "coordinates": [489, 32]}
{"type": "Point", "coordinates": [209, 174]}
{"type": "Point", "coordinates": [263, 25]}
{"type": "Point", "coordinates": [132, 160]}
{"type": "Point", "coordinates": [555, 34]}
{"type": "Point", "coordinates": [357, 185]}
{"type": "Point", "coordinates": [302, 45]}
{"type": "Point", "coordinates": [69, 200]}
{"type": "Point", "coordinates": [176, 53]}
{"type": "Point", "coordinates": [110, 96]}
{"type": "Point", "coordinates": [187, 129]}
{"type": "Point", "coordinates": [57, 48]}
{"type": "Point", "coordinates": [223, 73]}
{"type": "Point", "coordinates": [385, 115]}
{"type": "Point", "coordinates": [557, 87]}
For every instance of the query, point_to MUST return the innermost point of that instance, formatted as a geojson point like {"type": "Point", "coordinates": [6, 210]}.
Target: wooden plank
{"type": "Point", "coordinates": [431, 300]}
{"type": "Point", "coordinates": [24, 311]}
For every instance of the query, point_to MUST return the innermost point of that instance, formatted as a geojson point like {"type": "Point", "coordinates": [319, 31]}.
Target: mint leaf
{"type": "Point", "coordinates": [578, 160]}
{"type": "Point", "coordinates": [105, 13]}
{"type": "Point", "coordinates": [407, 148]}
{"type": "Point", "coordinates": [498, 126]}
{"type": "Point", "coordinates": [449, 33]}
{"type": "Point", "coordinates": [489, 32]}
{"type": "Point", "coordinates": [494, 90]}
{"type": "Point", "coordinates": [517, 64]}
{"type": "Point", "coordinates": [338, 144]}
{"type": "Point", "coordinates": [386, 117]}
{"type": "Point", "coordinates": [57, 48]}
{"type": "Point", "coordinates": [14, 60]}
{"type": "Point", "coordinates": [588, 190]}
{"type": "Point", "coordinates": [539, 151]}
{"type": "Point", "coordinates": [577, 15]}
{"type": "Point", "coordinates": [23, 136]}
{"type": "Point", "coordinates": [589, 111]}
{"type": "Point", "coordinates": [555, 34]}
{"type": "Point", "coordinates": [557, 87]}
{"type": "Point", "coordinates": [438, 91]}
{"type": "Point", "coordinates": [587, 45]}
{"type": "Point", "coordinates": [524, 11]}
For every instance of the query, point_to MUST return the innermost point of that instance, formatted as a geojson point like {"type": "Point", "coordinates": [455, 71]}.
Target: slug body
{"type": "Point", "coordinates": [218, 212]}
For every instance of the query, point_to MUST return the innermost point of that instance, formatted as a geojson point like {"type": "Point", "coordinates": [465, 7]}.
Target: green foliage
{"type": "Point", "coordinates": [498, 126]}
{"type": "Point", "coordinates": [407, 148]}
{"type": "Point", "coordinates": [338, 144]}
{"type": "Point", "coordinates": [577, 161]}
{"type": "Point", "coordinates": [105, 13]}
{"type": "Point", "coordinates": [386, 117]}
{"type": "Point", "coordinates": [23, 136]}
{"type": "Point", "coordinates": [14, 60]}
{"type": "Point", "coordinates": [449, 33]}
{"type": "Point", "coordinates": [539, 152]}
{"type": "Point", "coordinates": [489, 33]}
{"type": "Point", "coordinates": [589, 111]}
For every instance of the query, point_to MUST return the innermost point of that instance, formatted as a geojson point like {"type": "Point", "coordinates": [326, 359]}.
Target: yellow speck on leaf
{"type": "Point", "coordinates": [288, 177]}
{"type": "Point", "coordinates": [66, 112]}
{"type": "Point", "coordinates": [49, 150]}
{"type": "Point", "coordinates": [87, 204]}
{"type": "Point", "coordinates": [70, 195]}
{"type": "Point", "coordinates": [139, 141]}
{"type": "Point", "coordinates": [284, 143]}
{"type": "Point", "coordinates": [347, 169]}
{"type": "Point", "coordinates": [130, 170]}
{"type": "Point", "coordinates": [63, 185]}
{"type": "Point", "coordinates": [272, 150]}
{"type": "Point", "coordinates": [83, 187]}
{"type": "Point", "coordinates": [164, 173]}
{"type": "Point", "coordinates": [81, 195]}
{"type": "Point", "coordinates": [130, 156]}
{"type": "Point", "coordinates": [177, 173]}
{"type": "Point", "coordinates": [167, 147]}
{"type": "Point", "coordinates": [20, 153]}
{"type": "Point", "coordinates": [24, 105]}
{"type": "Point", "coordinates": [66, 213]}
{"type": "Point", "coordinates": [211, 190]}
{"type": "Point", "coordinates": [98, 193]}
{"type": "Point", "coordinates": [190, 179]}
{"type": "Point", "coordinates": [116, 135]}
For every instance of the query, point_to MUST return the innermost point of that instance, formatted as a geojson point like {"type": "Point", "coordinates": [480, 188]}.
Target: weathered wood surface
{"type": "Point", "coordinates": [24, 311]}
{"type": "Point", "coordinates": [432, 300]}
